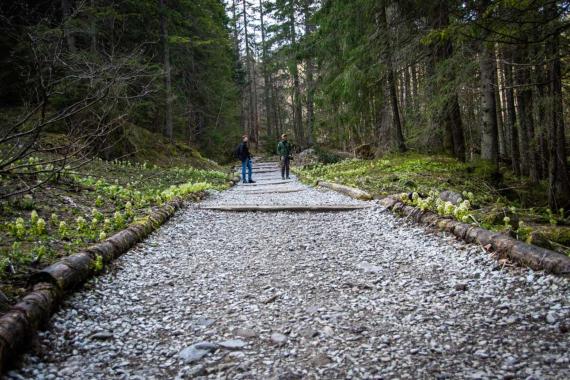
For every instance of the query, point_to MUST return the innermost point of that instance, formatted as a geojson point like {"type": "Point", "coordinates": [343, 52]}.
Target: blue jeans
{"type": "Point", "coordinates": [244, 164]}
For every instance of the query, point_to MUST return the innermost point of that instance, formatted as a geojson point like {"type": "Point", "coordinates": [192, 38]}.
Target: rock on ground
{"type": "Point", "coordinates": [360, 294]}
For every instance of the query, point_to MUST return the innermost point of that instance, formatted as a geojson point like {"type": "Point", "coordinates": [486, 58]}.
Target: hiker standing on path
{"type": "Point", "coordinates": [245, 157]}
{"type": "Point", "coordinates": [284, 151]}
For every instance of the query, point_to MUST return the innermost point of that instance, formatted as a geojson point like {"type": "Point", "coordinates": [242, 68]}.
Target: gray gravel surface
{"type": "Point", "coordinates": [346, 295]}
{"type": "Point", "coordinates": [271, 191]}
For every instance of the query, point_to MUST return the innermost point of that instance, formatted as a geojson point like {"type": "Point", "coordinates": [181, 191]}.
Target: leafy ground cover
{"type": "Point", "coordinates": [79, 208]}
{"type": "Point", "coordinates": [507, 204]}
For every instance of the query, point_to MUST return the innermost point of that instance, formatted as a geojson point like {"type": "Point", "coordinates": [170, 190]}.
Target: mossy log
{"type": "Point", "coordinates": [350, 191]}
{"type": "Point", "coordinates": [552, 237]}
{"type": "Point", "coordinates": [73, 270]}
{"type": "Point", "coordinates": [19, 324]}
{"type": "Point", "coordinates": [505, 246]}
{"type": "Point", "coordinates": [68, 273]}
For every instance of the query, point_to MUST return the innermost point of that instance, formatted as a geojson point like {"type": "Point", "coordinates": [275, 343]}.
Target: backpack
{"type": "Point", "coordinates": [237, 152]}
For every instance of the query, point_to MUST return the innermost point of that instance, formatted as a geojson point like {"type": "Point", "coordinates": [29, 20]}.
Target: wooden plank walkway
{"type": "Point", "coordinates": [270, 193]}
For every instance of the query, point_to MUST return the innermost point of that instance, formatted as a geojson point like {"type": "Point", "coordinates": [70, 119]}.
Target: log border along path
{"type": "Point", "coordinates": [306, 295]}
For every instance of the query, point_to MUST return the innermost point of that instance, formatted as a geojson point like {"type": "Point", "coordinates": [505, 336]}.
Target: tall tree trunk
{"type": "Point", "coordinates": [235, 32]}
{"type": "Point", "coordinates": [276, 108]}
{"type": "Point", "coordinates": [397, 133]}
{"type": "Point", "coordinates": [93, 30]}
{"type": "Point", "coordinates": [297, 106]}
{"type": "Point", "coordinates": [407, 105]}
{"type": "Point", "coordinates": [558, 178]}
{"type": "Point", "coordinates": [251, 117]}
{"type": "Point", "coordinates": [167, 79]}
{"type": "Point", "coordinates": [524, 100]}
{"type": "Point", "coordinates": [67, 11]}
{"type": "Point", "coordinates": [190, 126]}
{"type": "Point", "coordinates": [401, 88]}
{"type": "Point", "coordinates": [309, 71]}
{"type": "Point", "coordinates": [540, 77]}
{"type": "Point", "coordinates": [415, 91]}
{"type": "Point", "coordinates": [255, 109]}
{"type": "Point", "coordinates": [235, 28]}
{"type": "Point", "coordinates": [266, 79]}
{"type": "Point", "coordinates": [446, 113]}
{"type": "Point", "coordinates": [511, 120]}
{"type": "Point", "coordinates": [489, 132]}
{"type": "Point", "coordinates": [503, 148]}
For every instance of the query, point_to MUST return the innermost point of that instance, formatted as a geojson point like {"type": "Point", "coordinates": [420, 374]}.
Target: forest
{"type": "Point", "coordinates": [422, 230]}
{"type": "Point", "coordinates": [112, 107]}
{"type": "Point", "coordinates": [479, 80]}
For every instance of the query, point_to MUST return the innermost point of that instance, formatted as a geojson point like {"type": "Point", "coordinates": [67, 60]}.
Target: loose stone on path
{"type": "Point", "coordinates": [361, 294]}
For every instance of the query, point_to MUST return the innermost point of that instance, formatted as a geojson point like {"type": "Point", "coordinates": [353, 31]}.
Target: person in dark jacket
{"type": "Point", "coordinates": [245, 157]}
{"type": "Point", "coordinates": [284, 151]}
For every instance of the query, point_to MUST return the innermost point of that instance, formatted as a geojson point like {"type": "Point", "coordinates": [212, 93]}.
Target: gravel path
{"type": "Point", "coordinates": [356, 294]}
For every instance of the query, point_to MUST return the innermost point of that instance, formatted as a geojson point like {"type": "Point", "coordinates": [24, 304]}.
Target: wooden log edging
{"type": "Point", "coordinates": [50, 285]}
{"type": "Point", "coordinates": [532, 256]}
{"type": "Point", "coordinates": [528, 255]}
{"type": "Point", "coordinates": [347, 190]}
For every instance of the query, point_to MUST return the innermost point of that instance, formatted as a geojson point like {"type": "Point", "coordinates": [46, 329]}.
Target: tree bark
{"type": "Point", "coordinates": [309, 28]}
{"type": "Point", "coordinates": [558, 178]}
{"type": "Point", "coordinates": [238, 65]}
{"type": "Point", "coordinates": [503, 148]}
{"type": "Point", "coordinates": [398, 135]}
{"type": "Point", "coordinates": [489, 132]}
{"type": "Point", "coordinates": [251, 127]}
{"type": "Point", "coordinates": [524, 100]}
{"type": "Point", "coordinates": [511, 120]}
{"type": "Point", "coordinates": [67, 10]}
{"type": "Point", "coordinates": [277, 109]}
{"type": "Point", "coordinates": [168, 129]}
{"type": "Point", "coordinates": [297, 106]}
{"type": "Point", "coordinates": [255, 127]}
{"type": "Point", "coordinates": [540, 76]}
{"type": "Point", "coordinates": [93, 30]}
{"type": "Point", "coordinates": [267, 86]}
{"type": "Point", "coordinates": [407, 91]}
{"type": "Point", "coordinates": [415, 91]}
{"type": "Point", "coordinates": [447, 112]}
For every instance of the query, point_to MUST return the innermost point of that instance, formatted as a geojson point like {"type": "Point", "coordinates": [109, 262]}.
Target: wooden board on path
{"type": "Point", "coordinates": [273, 191]}
{"type": "Point", "coordinates": [273, 208]}
{"type": "Point", "coordinates": [265, 183]}
{"type": "Point", "coordinates": [265, 171]}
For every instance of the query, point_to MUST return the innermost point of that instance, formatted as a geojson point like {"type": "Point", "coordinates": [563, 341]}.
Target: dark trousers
{"type": "Point", "coordinates": [285, 166]}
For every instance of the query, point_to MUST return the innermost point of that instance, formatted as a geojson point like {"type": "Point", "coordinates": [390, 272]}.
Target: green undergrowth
{"type": "Point", "coordinates": [86, 206]}
{"type": "Point", "coordinates": [500, 203]}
